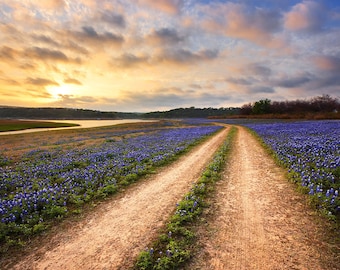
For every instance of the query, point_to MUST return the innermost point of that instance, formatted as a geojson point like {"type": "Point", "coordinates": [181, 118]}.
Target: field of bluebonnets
{"type": "Point", "coordinates": [48, 183]}
{"type": "Point", "coordinates": [311, 152]}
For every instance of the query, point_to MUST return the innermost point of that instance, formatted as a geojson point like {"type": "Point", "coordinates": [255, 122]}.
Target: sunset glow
{"type": "Point", "coordinates": [150, 55]}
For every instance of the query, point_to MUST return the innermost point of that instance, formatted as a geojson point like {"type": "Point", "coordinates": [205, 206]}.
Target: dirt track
{"type": "Point", "coordinates": [258, 221]}
{"type": "Point", "coordinates": [112, 237]}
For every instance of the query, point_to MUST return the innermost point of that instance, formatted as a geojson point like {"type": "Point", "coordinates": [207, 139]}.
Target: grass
{"type": "Point", "coordinates": [15, 125]}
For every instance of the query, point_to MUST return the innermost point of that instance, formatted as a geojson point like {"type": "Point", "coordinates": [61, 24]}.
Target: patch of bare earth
{"type": "Point", "coordinates": [112, 236]}
{"type": "Point", "coordinates": [258, 220]}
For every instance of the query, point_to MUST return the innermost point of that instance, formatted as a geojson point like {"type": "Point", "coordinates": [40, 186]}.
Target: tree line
{"type": "Point", "coordinates": [193, 112]}
{"type": "Point", "coordinates": [319, 105]}
{"type": "Point", "coordinates": [315, 105]}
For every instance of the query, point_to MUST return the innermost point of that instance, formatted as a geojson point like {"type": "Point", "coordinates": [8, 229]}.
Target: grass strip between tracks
{"type": "Point", "coordinates": [175, 245]}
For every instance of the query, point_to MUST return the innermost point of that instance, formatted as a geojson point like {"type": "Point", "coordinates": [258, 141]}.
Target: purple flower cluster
{"type": "Point", "coordinates": [52, 179]}
{"type": "Point", "coordinates": [311, 151]}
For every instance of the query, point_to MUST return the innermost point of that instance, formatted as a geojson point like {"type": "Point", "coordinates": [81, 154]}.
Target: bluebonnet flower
{"type": "Point", "coordinates": [56, 177]}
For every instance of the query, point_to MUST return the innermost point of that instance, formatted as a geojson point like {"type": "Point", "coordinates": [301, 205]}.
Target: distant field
{"type": "Point", "coordinates": [13, 125]}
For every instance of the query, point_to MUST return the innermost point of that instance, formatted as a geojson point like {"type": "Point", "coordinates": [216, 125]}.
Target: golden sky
{"type": "Point", "coordinates": [146, 55]}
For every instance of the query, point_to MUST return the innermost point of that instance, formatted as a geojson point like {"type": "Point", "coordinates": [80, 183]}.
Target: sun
{"type": "Point", "coordinates": [57, 92]}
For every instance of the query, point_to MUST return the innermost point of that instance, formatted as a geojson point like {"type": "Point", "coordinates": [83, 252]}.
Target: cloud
{"type": "Point", "coordinates": [41, 82]}
{"type": "Point", "coordinates": [293, 82]}
{"type": "Point", "coordinates": [180, 57]}
{"type": "Point", "coordinates": [128, 60]}
{"type": "Point", "coordinates": [67, 100]}
{"type": "Point", "coordinates": [45, 39]}
{"type": "Point", "coordinates": [308, 16]}
{"type": "Point", "coordinates": [45, 53]}
{"type": "Point", "coordinates": [261, 89]}
{"type": "Point", "coordinates": [190, 52]}
{"type": "Point", "coordinates": [8, 54]}
{"type": "Point", "coordinates": [327, 63]}
{"type": "Point", "coordinates": [90, 32]}
{"type": "Point", "coordinates": [195, 86]}
{"type": "Point", "coordinates": [327, 74]}
{"type": "Point", "coordinates": [257, 25]}
{"type": "Point", "coordinates": [183, 56]}
{"type": "Point", "coordinates": [165, 36]}
{"type": "Point", "coordinates": [168, 6]}
{"type": "Point", "coordinates": [28, 66]}
{"type": "Point", "coordinates": [113, 19]}
{"type": "Point", "coordinates": [91, 36]}
{"type": "Point", "coordinates": [37, 93]}
{"type": "Point", "coordinates": [74, 101]}
{"type": "Point", "coordinates": [168, 98]}
{"type": "Point", "coordinates": [10, 81]}
{"type": "Point", "coordinates": [25, 58]}
{"type": "Point", "coordinates": [72, 81]}
{"type": "Point", "coordinates": [240, 81]}
{"type": "Point", "coordinates": [327, 81]}
{"type": "Point", "coordinates": [50, 4]}
{"type": "Point", "coordinates": [258, 69]}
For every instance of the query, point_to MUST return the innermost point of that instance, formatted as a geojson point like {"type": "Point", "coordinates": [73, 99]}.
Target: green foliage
{"type": "Point", "coordinates": [145, 260]}
{"type": "Point", "coordinates": [132, 177]}
{"type": "Point", "coordinates": [110, 189]}
{"type": "Point", "coordinates": [262, 106]}
{"type": "Point", "coordinates": [4, 161]}
{"type": "Point", "coordinates": [55, 211]}
{"type": "Point", "coordinates": [106, 191]}
{"type": "Point", "coordinates": [38, 228]}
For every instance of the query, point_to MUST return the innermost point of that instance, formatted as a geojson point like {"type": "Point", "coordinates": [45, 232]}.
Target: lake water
{"type": "Point", "coordinates": [82, 123]}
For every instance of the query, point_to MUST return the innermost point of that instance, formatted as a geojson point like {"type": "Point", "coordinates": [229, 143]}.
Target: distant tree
{"type": "Point", "coordinates": [246, 109]}
{"type": "Point", "coordinates": [324, 103]}
{"type": "Point", "coordinates": [261, 107]}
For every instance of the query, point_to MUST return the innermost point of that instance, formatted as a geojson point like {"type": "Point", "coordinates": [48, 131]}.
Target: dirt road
{"type": "Point", "coordinates": [112, 237]}
{"type": "Point", "coordinates": [258, 221]}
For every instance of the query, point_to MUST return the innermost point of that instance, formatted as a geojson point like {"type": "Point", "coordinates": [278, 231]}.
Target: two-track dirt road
{"type": "Point", "coordinates": [112, 237]}
{"type": "Point", "coordinates": [258, 220]}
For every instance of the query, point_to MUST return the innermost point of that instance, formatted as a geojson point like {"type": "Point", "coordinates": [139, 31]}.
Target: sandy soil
{"type": "Point", "coordinates": [258, 220]}
{"type": "Point", "coordinates": [116, 232]}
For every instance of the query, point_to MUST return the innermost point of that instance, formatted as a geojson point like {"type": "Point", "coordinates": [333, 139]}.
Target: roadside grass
{"type": "Point", "coordinates": [176, 244]}
{"type": "Point", "coordinates": [15, 125]}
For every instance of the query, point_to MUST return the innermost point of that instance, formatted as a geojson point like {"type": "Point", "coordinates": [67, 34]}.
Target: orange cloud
{"type": "Point", "coordinates": [238, 21]}
{"type": "Point", "coordinates": [51, 4]}
{"type": "Point", "coordinates": [327, 63]}
{"type": "Point", "coordinates": [168, 6]}
{"type": "Point", "coordinates": [305, 16]}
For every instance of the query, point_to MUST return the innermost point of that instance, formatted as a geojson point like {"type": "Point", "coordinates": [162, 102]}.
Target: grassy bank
{"type": "Point", "coordinates": [14, 125]}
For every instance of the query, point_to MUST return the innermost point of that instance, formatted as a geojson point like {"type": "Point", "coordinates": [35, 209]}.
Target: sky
{"type": "Point", "coordinates": [150, 55]}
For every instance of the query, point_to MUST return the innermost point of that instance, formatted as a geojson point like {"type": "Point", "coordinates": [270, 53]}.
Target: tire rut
{"type": "Point", "coordinates": [257, 220]}
{"type": "Point", "coordinates": [112, 237]}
